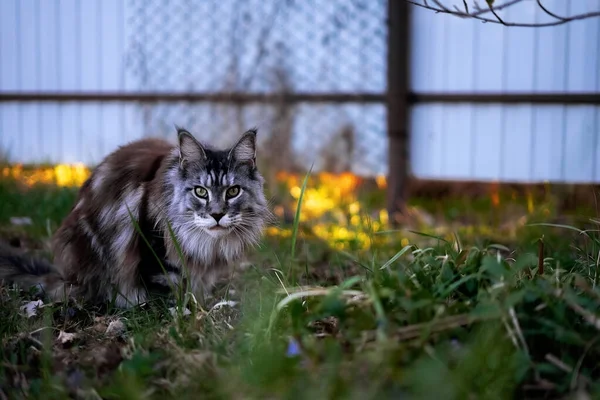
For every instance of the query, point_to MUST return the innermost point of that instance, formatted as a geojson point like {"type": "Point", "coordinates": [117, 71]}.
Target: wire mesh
{"type": "Point", "coordinates": [223, 46]}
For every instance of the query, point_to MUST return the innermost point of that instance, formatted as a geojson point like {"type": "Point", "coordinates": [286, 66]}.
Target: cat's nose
{"type": "Point", "coordinates": [217, 216]}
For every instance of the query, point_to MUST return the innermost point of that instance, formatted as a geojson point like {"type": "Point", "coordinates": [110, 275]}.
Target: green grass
{"type": "Point", "coordinates": [456, 317]}
{"type": "Point", "coordinates": [45, 206]}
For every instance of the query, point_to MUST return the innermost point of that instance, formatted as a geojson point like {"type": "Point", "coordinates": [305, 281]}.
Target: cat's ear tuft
{"type": "Point", "coordinates": [189, 148]}
{"type": "Point", "coordinates": [244, 151]}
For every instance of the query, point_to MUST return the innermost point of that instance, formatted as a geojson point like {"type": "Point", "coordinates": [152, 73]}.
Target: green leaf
{"type": "Point", "coordinates": [491, 265]}
{"type": "Point", "coordinates": [451, 288]}
{"type": "Point", "coordinates": [486, 310]}
{"type": "Point", "coordinates": [297, 216]}
{"type": "Point", "coordinates": [498, 247]}
{"type": "Point", "coordinates": [430, 236]}
{"type": "Point", "coordinates": [557, 226]}
{"type": "Point", "coordinates": [515, 298]}
{"type": "Point", "coordinates": [527, 260]}
{"type": "Point", "coordinates": [348, 283]}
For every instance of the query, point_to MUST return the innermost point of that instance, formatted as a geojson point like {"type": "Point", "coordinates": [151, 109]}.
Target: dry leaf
{"type": "Point", "coordinates": [228, 303]}
{"type": "Point", "coordinates": [30, 308]}
{"type": "Point", "coordinates": [65, 337]}
{"type": "Point", "coordinates": [115, 328]}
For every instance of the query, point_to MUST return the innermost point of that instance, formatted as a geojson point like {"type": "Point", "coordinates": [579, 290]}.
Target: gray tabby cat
{"type": "Point", "coordinates": [211, 200]}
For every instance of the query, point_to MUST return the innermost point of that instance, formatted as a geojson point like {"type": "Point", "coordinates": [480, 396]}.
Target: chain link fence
{"type": "Point", "coordinates": [257, 47]}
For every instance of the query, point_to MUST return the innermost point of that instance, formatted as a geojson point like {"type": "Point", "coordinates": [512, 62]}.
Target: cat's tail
{"type": "Point", "coordinates": [28, 272]}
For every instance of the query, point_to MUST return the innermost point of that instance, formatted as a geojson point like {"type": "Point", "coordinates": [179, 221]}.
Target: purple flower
{"type": "Point", "coordinates": [293, 348]}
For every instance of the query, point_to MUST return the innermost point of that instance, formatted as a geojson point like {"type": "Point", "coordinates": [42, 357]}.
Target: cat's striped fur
{"type": "Point", "coordinates": [212, 200]}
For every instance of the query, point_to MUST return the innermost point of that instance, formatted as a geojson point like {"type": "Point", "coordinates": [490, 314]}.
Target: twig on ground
{"type": "Point", "coordinates": [315, 292]}
{"type": "Point", "coordinates": [442, 324]}
{"type": "Point", "coordinates": [41, 329]}
{"type": "Point", "coordinates": [565, 367]}
{"type": "Point", "coordinates": [511, 333]}
{"type": "Point", "coordinates": [518, 330]}
{"type": "Point", "coordinates": [558, 363]}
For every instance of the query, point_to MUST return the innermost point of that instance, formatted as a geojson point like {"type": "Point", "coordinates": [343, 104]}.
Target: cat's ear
{"type": "Point", "coordinates": [189, 148]}
{"type": "Point", "coordinates": [244, 151]}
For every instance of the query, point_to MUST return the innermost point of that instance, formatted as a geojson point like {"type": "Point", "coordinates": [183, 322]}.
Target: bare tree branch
{"type": "Point", "coordinates": [438, 7]}
{"type": "Point", "coordinates": [495, 13]}
{"type": "Point", "coordinates": [544, 9]}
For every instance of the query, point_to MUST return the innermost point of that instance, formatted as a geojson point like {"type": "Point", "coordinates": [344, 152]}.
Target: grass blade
{"type": "Point", "coordinates": [397, 256]}
{"type": "Point", "coordinates": [430, 236]}
{"type": "Point", "coordinates": [557, 226]}
{"type": "Point", "coordinates": [139, 231]}
{"type": "Point", "coordinates": [298, 208]}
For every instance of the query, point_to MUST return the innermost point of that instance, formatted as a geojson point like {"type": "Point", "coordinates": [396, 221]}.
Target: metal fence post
{"type": "Point", "coordinates": [398, 113]}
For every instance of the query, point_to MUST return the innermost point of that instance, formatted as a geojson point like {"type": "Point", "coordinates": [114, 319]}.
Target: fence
{"type": "Point", "coordinates": [136, 68]}
{"type": "Point", "coordinates": [509, 104]}
{"type": "Point", "coordinates": [339, 83]}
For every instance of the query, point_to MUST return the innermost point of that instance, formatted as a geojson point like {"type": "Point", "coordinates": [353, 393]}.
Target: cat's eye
{"type": "Point", "coordinates": [201, 192]}
{"type": "Point", "coordinates": [232, 191]}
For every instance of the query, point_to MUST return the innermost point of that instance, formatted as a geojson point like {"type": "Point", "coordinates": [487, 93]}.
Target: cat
{"type": "Point", "coordinates": [211, 201]}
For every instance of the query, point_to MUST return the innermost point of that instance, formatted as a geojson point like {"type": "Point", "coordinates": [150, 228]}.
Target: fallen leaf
{"type": "Point", "coordinates": [228, 303]}
{"type": "Point", "coordinates": [30, 308]}
{"type": "Point", "coordinates": [65, 337]}
{"type": "Point", "coordinates": [115, 328]}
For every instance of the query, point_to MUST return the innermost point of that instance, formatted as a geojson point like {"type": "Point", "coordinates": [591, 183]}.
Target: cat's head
{"type": "Point", "coordinates": [220, 192]}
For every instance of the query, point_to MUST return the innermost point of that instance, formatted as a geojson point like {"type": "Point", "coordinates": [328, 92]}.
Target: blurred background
{"type": "Point", "coordinates": [385, 91]}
